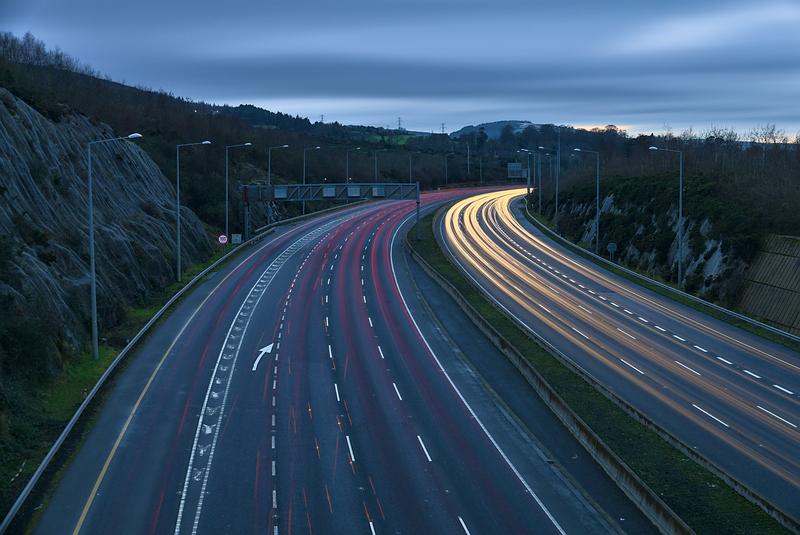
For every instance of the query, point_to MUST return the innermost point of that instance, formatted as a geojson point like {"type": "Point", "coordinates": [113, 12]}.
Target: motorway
{"type": "Point", "coordinates": [307, 388]}
{"type": "Point", "coordinates": [729, 394]}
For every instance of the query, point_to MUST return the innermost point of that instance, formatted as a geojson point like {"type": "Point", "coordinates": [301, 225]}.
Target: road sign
{"type": "Point", "coordinates": [236, 239]}
{"type": "Point", "coordinates": [222, 239]}
{"type": "Point", "coordinates": [611, 247]}
{"type": "Point", "coordinates": [515, 170]}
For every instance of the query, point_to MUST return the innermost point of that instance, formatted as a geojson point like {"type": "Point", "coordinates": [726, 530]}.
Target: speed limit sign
{"type": "Point", "coordinates": [223, 239]}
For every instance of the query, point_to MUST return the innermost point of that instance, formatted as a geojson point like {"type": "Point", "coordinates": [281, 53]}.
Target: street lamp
{"type": "Point", "coordinates": [597, 200]}
{"type": "Point", "coordinates": [526, 151]}
{"type": "Point", "coordinates": [679, 232]}
{"type": "Point", "coordinates": [376, 162]}
{"type": "Point", "coordinates": [178, 202]}
{"type": "Point", "coordinates": [557, 152]}
{"type": "Point", "coordinates": [347, 163]}
{"type": "Point", "coordinates": [305, 150]}
{"type": "Point", "coordinates": [446, 156]}
{"type": "Point", "coordinates": [92, 271]}
{"type": "Point", "coordinates": [269, 161]}
{"type": "Point", "coordinates": [410, 154]}
{"type": "Point", "coordinates": [248, 144]}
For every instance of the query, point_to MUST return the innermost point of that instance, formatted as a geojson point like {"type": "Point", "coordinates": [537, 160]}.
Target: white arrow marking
{"type": "Point", "coordinates": [261, 352]}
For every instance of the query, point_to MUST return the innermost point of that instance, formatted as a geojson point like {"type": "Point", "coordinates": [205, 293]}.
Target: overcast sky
{"type": "Point", "coordinates": [638, 64]}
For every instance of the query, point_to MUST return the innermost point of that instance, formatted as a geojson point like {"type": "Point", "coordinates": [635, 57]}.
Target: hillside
{"type": "Point", "coordinates": [44, 289]}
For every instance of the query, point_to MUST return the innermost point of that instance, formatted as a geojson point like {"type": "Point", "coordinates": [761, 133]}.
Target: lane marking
{"type": "Point", "coordinates": [350, 447]}
{"type": "Point", "coordinates": [336, 387]}
{"type": "Point", "coordinates": [626, 334]}
{"type": "Point", "coordinates": [330, 351]}
{"type": "Point", "coordinates": [370, 321]}
{"type": "Point", "coordinates": [663, 330]}
{"type": "Point", "coordinates": [779, 387]}
{"type": "Point", "coordinates": [709, 415]}
{"type": "Point", "coordinates": [580, 333]}
{"type": "Point", "coordinates": [544, 308]}
{"type": "Point", "coordinates": [627, 311]}
{"type": "Point", "coordinates": [625, 362]}
{"type": "Point", "coordinates": [397, 392]}
{"type": "Point", "coordinates": [687, 367]}
{"type": "Point", "coordinates": [381, 352]}
{"type": "Point", "coordinates": [776, 416]}
{"type": "Point", "coordinates": [701, 348]}
{"type": "Point", "coordinates": [678, 338]}
{"type": "Point", "coordinates": [751, 374]}
{"type": "Point", "coordinates": [424, 449]}
{"type": "Point", "coordinates": [726, 361]}
{"type": "Point", "coordinates": [463, 525]}
{"type": "Point", "coordinates": [642, 319]}
{"type": "Point", "coordinates": [585, 309]}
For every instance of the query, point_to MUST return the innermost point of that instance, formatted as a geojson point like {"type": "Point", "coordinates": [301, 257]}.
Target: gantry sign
{"type": "Point", "coordinates": [345, 191]}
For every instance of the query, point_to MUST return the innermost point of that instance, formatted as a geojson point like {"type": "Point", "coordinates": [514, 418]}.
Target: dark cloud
{"type": "Point", "coordinates": [639, 64]}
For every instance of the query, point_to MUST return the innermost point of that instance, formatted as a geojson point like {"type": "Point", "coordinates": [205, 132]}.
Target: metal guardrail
{"type": "Point", "coordinates": [667, 287]}
{"type": "Point", "coordinates": [26, 490]}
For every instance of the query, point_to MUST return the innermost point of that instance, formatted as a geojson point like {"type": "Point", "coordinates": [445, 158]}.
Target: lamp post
{"type": "Point", "coordinates": [679, 232]}
{"type": "Point", "coordinates": [597, 200]}
{"type": "Point", "coordinates": [376, 162]}
{"type": "Point", "coordinates": [227, 148]}
{"type": "Point", "coordinates": [178, 203]}
{"type": "Point", "coordinates": [305, 150]}
{"type": "Point", "coordinates": [446, 156]}
{"type": "Point", "coordinates": [92, 270]}
{"type": "Point", "coordinates": [528, 153]}
{"type": "Point", "coordinates": [538, 159]}
{"type": "Point", "coordinates": [550, 153]}
{"type": "Point", "coordinates": [347, 162]}
{"type": "Point", "coordinates": [410, 154]}
{"type": "Point", "coordinates": [269, 161]}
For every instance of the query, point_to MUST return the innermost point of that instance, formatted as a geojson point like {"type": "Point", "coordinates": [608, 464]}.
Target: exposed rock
{"type": "Point", "coordinates": [43, 218]}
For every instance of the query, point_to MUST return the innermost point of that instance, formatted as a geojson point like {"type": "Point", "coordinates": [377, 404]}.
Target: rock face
{"type": "Point", "coordinates": [43, 221]}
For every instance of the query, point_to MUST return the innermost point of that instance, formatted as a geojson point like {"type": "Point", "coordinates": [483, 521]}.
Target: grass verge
{"type": "Point", "coordinates": [700, 498]}
{"type": "Point", "coordinates": [710, 311]}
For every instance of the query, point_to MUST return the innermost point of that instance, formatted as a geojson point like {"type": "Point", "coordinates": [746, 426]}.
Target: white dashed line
{"type": "Point", "coordinates": [687, 367]}
{"type": "Point", "coordinates": [370, 321]}
{"type": "Point", "coordinates": [726, 361]}
{"type": "Point", "coordinates": [544, 308]}
{"type": "Point", "coordinates": [396, 391]}
{"type": "Point", "coordinates": [626, 334]}
{"type": "Point", "coordinates": [779, 387]}
{"type": "Point", "coordinates": [642, 319]}
{"type": "Point", "coordinates": [381, 352]}
{"type": "Point", "coordinates": [631, 366]}
{"type": "Point", "coordinates": [424, 449]}
{"type": "Point", "coordinates": [336, 387]}
{"type": "Point", "coordinates": [709, 415]}
{"type": "Point", "coordinates": [580, 333]}
{"type": "Point", "coordinates": [751, 374]}
{"type": "Point", "coordinates": [330, 351]}
{"type": "Point", "coordinates": [350, 447]}
{"type": "Point", "coordinates": [678, 338]}
{"type": "Point", "coordinates": [463, 525]}
{"type": "Point", "coordinates": [663, 330]}
{"type": "Point", "coordinates": [776, 416]}
{"type": "Point", "coordinates": [701, 349]}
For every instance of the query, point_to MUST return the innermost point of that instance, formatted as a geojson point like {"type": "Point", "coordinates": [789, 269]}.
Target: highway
{"type": "Point", "coordinates": [305, 389]}
{"type": "Point", "coordinates": [729, 394]}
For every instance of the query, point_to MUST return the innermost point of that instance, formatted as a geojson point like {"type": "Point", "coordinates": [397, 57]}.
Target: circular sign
{"type": "Point", "coordinates": [612, 247]}
{"type": "Point", "coordinates": [223, 239]}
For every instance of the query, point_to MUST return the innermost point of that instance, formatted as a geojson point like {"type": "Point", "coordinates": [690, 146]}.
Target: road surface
{"type": "Point", "coordinates": [295, 392]}
{"type": "Point", "coordinates": [727, 393]}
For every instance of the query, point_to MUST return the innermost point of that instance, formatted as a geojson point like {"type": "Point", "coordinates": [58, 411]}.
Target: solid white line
{"type": "Point", "coordinates": [381, 352]}
{"type": "Point", "coordinates": [350, 447]}
{"type": "Point", "coordinates": [397, 392]}
{"type": "Point", "coordinates": [663, 330]}
{"type": "Point", "coordinates": [776, 416]}
{"type": "Point", "coordinates": [424, 449]}
{"type": "Point", "coordinates": [458, 392]}
{"type": "Point", "coordinates": [701, 349]}
{"type": "Point", "coordinates": [678, 338]}
{"type": "Point", "coordinates": [726, 361]}
{"type": "Point", "coordinates": [336, 387]}
{"type": "Point", "coordinates": [687, 367]}
{"type": "Point", "coordinates": [580, 333]}
{"type": "Point", "coordinates": [625, 362]}
{"type": "Point", "coordinates": [463, 525]}
{"type": "Point", "coordinates": [709, 415]}
{"type": "Point", "coordinates": [779, 387]}
{"type": "Point", "coordinates": [626, 334]}
{"type": "Point", "coordinates": [751, 374]}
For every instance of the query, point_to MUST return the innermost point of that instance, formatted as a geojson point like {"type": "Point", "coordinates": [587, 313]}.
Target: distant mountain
{"type": "Point", "coordinates": [493, 129]}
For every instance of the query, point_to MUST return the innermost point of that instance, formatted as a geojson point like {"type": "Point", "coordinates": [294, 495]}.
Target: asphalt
{"type": "Point", "coordinates": [310, 387]}
{"type": "Point", "coordinates": [721, 390]}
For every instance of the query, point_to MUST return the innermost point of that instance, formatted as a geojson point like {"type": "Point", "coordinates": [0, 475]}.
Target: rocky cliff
{"type": "Point", "coordinates": [43, 221]}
